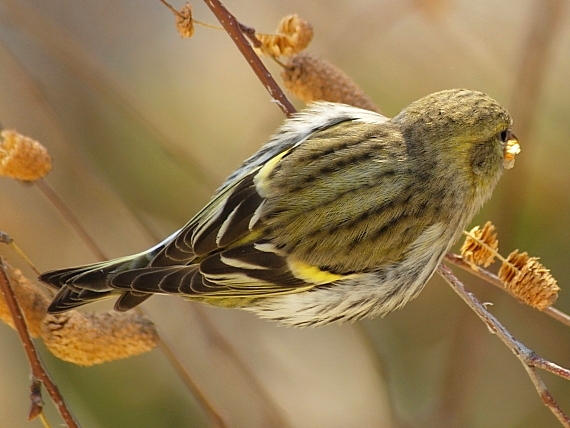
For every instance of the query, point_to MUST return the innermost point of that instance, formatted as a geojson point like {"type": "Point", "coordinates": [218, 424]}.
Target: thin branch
{"type": "Point", "coordinates": [249, 32]}
{"type": "Point", "coordinates": [165, 347]}
{"type": "Point", "coordinates": [38, 371]}
{"type": "Point", "coordinates": [175, 361]}
{"type": "Point", "coordinates": [558, 315]}
{"type": "Point", "coordinates": [70, 218]}
{"type": "Point", "coordinates": [272, 409]}
{"type": "Point", "coordinates": [493, 279]}
{"type": "Point", "coordinates": [170, 7]}
{"type": "Point", "coordinates": [7, 239]}
{"type": "Point", "coordinates": [240, 34]}
{"type": "Point", "coordinates": [234, 29]}
{"type": "Point", "coordinates": [525, 355]}
{"type": "Point", "coordinates": [66, 48]}
{"type": "Point", "coordinates": [546, 396]}
{"type": "Point", "coordinates": [194, 21]}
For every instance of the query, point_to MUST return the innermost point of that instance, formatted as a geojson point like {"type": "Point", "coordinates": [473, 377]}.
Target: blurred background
{"type": "Point", "coordinates": [143, 126]}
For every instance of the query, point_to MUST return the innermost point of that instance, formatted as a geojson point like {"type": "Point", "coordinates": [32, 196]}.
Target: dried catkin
{"type": "Point", "coordinates": [480, 246]}
{"type": "Point", "coordinates": [92, 338]}
{"type": "Point", "coordinates": [32, 301]}
{"type": "Point", "coordinates": [529, 280]}
{"type": "Point", "coordinates": [23, 158]}
{"type": "Point", "coordinates": [310, 78]}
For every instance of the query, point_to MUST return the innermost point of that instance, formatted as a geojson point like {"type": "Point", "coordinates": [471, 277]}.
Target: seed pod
{"type": "Point", "coordinates": [310, 78]}
{"type": "Point", "coordinates": [480, 246]}
{"type": "Point", "coordinates": [529, 280]}
{"type": "Point", "coordinates": [23, 158]}
{"type": "Point", "coordinates": [31, 299]}
{"type": "Point", "coordinates": [184, 22]}
{"type": "Point", "coordinates": [293, 36]}
{"type": "Point", "coordinates": [92, 338]}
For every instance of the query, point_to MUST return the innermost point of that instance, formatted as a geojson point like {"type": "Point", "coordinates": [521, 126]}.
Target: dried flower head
{"type": "Point", "coordinates": [529, 280]}
{"type": "Point", "coordinates": [31, 299]}
{"type": "Point", "coordinates": [87, 339]}
{"type": "Point", "coordinates": [310, 78]}
{"type": "Point", "coordinates": [22, 158]}
{"type": "Point", "coordinates": [480, 246]}
{"type": "Point", "coordinates": [293, 36]}
{"type": "Point", "coordinates": [184, 22]}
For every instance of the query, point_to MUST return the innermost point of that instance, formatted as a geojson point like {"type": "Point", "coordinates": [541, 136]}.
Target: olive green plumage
{"type": "Point", "coordinates": [342, 214]}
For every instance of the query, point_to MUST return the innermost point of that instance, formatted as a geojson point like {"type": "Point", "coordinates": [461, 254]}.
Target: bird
{"type": "Point", "coordinates": [343, 214]}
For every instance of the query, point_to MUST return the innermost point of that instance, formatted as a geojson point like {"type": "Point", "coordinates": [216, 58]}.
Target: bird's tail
{"type": "Point", "coordinates": [80, 285]}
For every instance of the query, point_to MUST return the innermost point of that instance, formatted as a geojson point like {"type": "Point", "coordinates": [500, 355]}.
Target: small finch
{"type": "Point", "coordinates": [343, 214]}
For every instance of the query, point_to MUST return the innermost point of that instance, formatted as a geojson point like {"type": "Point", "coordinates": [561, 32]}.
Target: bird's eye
{"type": "Point", "coordinates": [505, 135]}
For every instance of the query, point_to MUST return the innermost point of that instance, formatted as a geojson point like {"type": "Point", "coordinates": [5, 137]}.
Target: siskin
{"type": "Point", "coordinates": [343, 214]}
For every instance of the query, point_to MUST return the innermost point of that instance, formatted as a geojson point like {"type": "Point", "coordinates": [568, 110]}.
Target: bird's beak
{"type": "Point", "coordinates": [512, 148]}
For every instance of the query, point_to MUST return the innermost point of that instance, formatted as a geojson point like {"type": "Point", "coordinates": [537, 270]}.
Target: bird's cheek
{"type": "Point", "coordinates": [485, 158]}
{"type": "Point", "coordinates": [478, 162]}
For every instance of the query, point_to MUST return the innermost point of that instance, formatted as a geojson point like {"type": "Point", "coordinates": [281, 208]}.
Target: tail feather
{"type": "Point", "coordinates": [130, 299]}
{"type": "Point", "coordinates": [80, 285]}
{"type": "Point", "coordinates": [68, 298]}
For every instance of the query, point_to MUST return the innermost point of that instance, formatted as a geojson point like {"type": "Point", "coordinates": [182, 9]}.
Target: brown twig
{"type": "Point", "coordinates": [7, 239]}
{"type": "Point", "coordinates": [275, 417]}
{"type": "Point", "coordinates": [215, 417]}
{"type": "Point", "coordinates": [249, 32]}
{"type": "Point", "coordinates": [64, 47]}
{"type": "Point", "coordinates": [167, 349]}
{"type": "Point", "coordinates": [238, 33]}
{"type": "Point", "coordinates": [170, 7]}
{"type": "Point", "coordinates": [525, 355]}
{"type": "Point", "coordinates": [70, 218]}
{"type": "Point", "coordinates": [38, 371]}
{"type": "Point", "coordinates": [494, 280]}
{"type": "Point", "coordinates": [234, 30]}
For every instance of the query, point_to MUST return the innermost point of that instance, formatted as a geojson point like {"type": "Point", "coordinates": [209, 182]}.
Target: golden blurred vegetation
{"type": "Point", "coordinates": [143, 126]}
